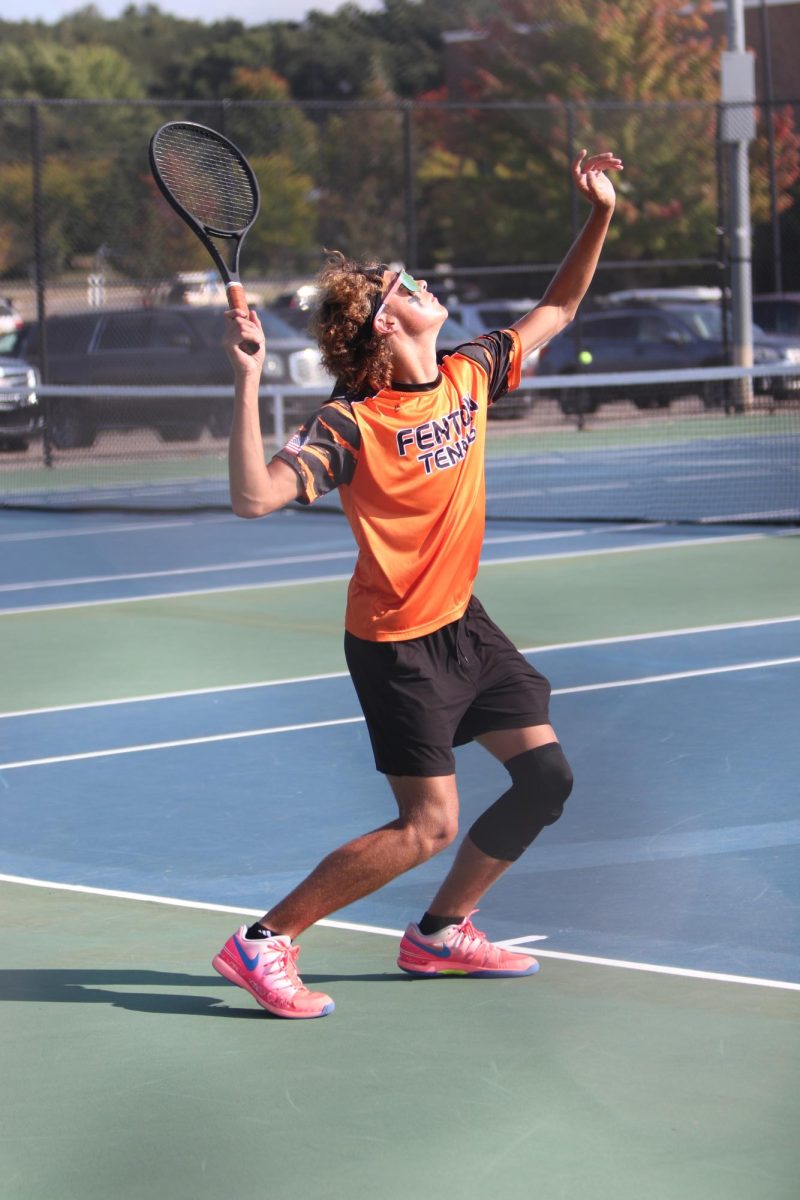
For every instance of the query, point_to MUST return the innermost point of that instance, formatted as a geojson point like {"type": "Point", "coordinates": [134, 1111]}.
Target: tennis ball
{"type": "Point", "coordinates": [585, 357]}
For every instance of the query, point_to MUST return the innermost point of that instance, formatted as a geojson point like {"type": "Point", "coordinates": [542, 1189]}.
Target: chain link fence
{"type": "Point", "coordinates": [481, 191]}
{"type": "Point", "coordinates": [115, 297]}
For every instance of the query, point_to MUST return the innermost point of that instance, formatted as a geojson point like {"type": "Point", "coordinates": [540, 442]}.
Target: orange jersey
{"type": "Point", "coordinates": [409, 466]}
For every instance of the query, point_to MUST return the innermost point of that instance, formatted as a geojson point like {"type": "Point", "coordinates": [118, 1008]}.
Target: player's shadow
{"type": "Point", "coordinates": [113, 987]}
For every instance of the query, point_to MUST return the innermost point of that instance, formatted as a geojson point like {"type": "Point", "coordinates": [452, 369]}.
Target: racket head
{"type": "Point", "coordinates": [209, 183]}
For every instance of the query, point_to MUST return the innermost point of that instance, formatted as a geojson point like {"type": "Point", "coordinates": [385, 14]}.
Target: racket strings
{"type": "Point", "coordinates": [206, 178]}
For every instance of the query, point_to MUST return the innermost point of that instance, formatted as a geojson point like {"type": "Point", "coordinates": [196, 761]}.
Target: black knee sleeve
{"type": "Point", "coordinates": [541, 783]}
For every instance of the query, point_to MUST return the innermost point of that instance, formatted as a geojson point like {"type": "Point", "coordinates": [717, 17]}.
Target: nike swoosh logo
{"type": "Point", "coordinates": [436, 951]}
{"type": "Point", "coordinates": [250, 963]}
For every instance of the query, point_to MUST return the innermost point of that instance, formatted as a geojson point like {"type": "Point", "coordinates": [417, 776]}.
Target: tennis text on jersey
{"type": "Point", "coordinates": [444, 441]}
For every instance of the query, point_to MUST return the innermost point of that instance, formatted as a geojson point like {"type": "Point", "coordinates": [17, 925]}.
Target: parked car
{"type": "Point", "coordinates": [666, 295]}
{"type": "Point", "coordinates": [297, 307]}
{"type": "Point", "coordinates": [482, 316]}
{"type": "Point", "coordinates": [773, 312]}
{"type": "Point", "coordinates": [657, 338]}
{"type": "Point", "coordinates": [20, 411]}
{"type": "Point", "coordinates": [778, 312]}
{"type": "Point", "coordinates": [200, 288]}
{"type": "Point", "coordinates": [10, 326]}
{"type": "Point", "coordinates": [157, 347]}
{"type": "Point", "coordinates": [453, 334]}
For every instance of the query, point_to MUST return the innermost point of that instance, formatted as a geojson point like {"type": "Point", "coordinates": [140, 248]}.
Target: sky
{"type": "Point", "coordinates": [250, 12]}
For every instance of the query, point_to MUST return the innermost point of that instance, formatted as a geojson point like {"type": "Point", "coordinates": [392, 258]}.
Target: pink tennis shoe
{"type": "Point", "coordinates": [266, 969]}
{"type": "Point", "coordinates": [460, 950]}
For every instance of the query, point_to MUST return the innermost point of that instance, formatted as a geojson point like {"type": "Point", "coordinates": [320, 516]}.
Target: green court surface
{"type": "Point", "coordinates": [585, 1082]}
{"type": "Point", "coordinates": [134, 648]}
{"type": "Point", "coordinates": [582, 1081]}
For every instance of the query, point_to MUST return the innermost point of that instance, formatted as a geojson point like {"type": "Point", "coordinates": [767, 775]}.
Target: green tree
{"type": "Point", "coordinates": [165, 51]}
{"type": "Point", "coordinates": [84, 150]}
{"type": "Point", "coordinates": [571, 55]}
{"type": "Point", "coordinates": [282, 145]}
{"type": "Point", "coordinates": [362, 179]}
{"type": "Point", "coordinates": [564, 55]}
{"type": "Point", "coordinates": [280, 126]}
{"type": "Point", "coordinates": [75, 223]}
{"type": "Point", "coordinates": [156, 243]}
{"type": "Point", "coordinates": [54, 72]}
{"type": "Point", "coordinates": [283, 240]}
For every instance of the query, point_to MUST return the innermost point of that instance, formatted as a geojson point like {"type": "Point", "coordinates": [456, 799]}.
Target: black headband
{"type": "Point", "coordinates": [374, 274]}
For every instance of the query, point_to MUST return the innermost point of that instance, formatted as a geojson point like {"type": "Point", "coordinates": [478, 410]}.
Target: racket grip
{"type": "Point", "coordinates": [238, 300]}
{"type": "Point", "coordinates": [236, 297]}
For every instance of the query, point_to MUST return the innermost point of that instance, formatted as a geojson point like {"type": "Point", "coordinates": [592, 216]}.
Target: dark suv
{"type": "Point", "coordinates": [169, 347]}
{"type": "Point", "coordinates": [778, 312]}
{"type": "Point", "coordinates": [20, 411]}
{"type": "Point", "coordinates": [656, 338]}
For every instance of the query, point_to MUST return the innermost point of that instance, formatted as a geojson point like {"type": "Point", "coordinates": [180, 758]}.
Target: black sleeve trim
{"type": "Point", "coordinates": [324, 451]}
{"type": "Point", "coordinates": [496, 353]}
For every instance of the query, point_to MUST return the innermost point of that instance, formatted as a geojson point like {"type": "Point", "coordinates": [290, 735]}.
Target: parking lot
{"type": "Point", "coordinates": [545, 417]}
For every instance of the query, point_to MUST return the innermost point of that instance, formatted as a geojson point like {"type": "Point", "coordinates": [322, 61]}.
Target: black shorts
{"type": "Point", "coordinates": [424, 696]}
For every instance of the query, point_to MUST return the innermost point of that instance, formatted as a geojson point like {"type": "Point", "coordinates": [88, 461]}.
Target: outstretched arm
{"type": "Point", "coordinates": [256, 487]}
{"type": "Point", "coordinates": [570, 283]}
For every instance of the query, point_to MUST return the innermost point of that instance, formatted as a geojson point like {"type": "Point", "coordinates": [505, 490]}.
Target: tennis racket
{"type": "Point", "coordinates": [211, 186]}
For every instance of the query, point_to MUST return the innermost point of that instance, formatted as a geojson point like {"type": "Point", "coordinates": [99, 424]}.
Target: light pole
{"type": "Point", "coordinates": [775, 223]}
{"type": "Point", "coordinates": [738, 130]}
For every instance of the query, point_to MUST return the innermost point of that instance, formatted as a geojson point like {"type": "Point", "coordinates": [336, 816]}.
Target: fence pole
{"type": "Point", "coordinates": [278, 418]}
{"type": "Point", "coordinates": [40, 283]}
{"type": "Point", "coordinates": [738, 97]}
{"type": "Point", "coordinates": [723, 246]}
{"type": "Point", "coordinates": [575, 221]}
{"type": "Point", "coordinates": [775, 221]}
{"type": "Point", "coordinates": [574, 211]}
{"type": "Point", "coordinates": [411, 209]}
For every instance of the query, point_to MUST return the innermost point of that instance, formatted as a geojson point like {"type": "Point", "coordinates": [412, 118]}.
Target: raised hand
{"type": "Point", "coordinates": [591, 179]}
{"type": "Point", "coordinates": [242, 331]}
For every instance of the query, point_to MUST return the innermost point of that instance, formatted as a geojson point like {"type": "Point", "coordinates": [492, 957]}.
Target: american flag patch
{"type": "Point", "coordinates": [296, 443]}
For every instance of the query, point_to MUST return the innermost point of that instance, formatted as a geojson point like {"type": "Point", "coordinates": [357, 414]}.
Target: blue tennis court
{"type": "Point", "coordinates": [177, 727]}
{"type": "Point", "coordinates": [704, 799]}
{"type": "Point", "coordinates": [681, 467]}
{"type": "Point", "coordinates": [687, 473]}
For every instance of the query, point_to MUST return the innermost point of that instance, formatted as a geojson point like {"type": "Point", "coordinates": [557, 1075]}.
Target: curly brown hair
{"type": "Point", "coordinates": [355, 355]}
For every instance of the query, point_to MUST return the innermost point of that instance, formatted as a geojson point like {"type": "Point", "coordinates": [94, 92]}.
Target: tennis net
{"type": "Point", "coordinates": [711, 446]}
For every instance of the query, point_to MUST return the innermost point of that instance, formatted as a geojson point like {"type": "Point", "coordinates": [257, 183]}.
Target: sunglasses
{"type": "Point", "coordinates": [401, 280]}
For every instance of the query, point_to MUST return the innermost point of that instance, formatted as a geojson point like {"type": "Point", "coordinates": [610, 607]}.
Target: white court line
{"type": "Point", "coordinates": [146, 526]}
{"type": "Point", "coordinates": [143, 897]}
{"type": "Point", "coordinates": [664, 633]}
{"type": "Point", "coordinates": [40, 535]}
{"type": "Point", "coordinates": [206, 691]}
{"type": "Point", "coordinates": [265, 683]}
{"type": "Point", "coordinates": [320, 579]}
{"type": "Point", "coordinates": [314, 580]}
{"type": "Point", "coordinates": [747, 516]}
{"type": "Point", "coordinates": [597, 530]}
{"type": "Point", "coordinates": [686, 972]}
{"type": "Point", "coordinates": [250, 733]}
{"type": "Point", "coordinates": [172, 745]}
{"type": "Point", "coordinates": [662, 545]}
{"type": "Point", "coordinates": [619, 683]}
{"type": "Point", "coordinates": [251, 564]}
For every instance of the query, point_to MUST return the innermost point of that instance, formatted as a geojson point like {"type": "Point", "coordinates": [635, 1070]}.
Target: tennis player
{"type": "Point", "coordinates": [403, 439]}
